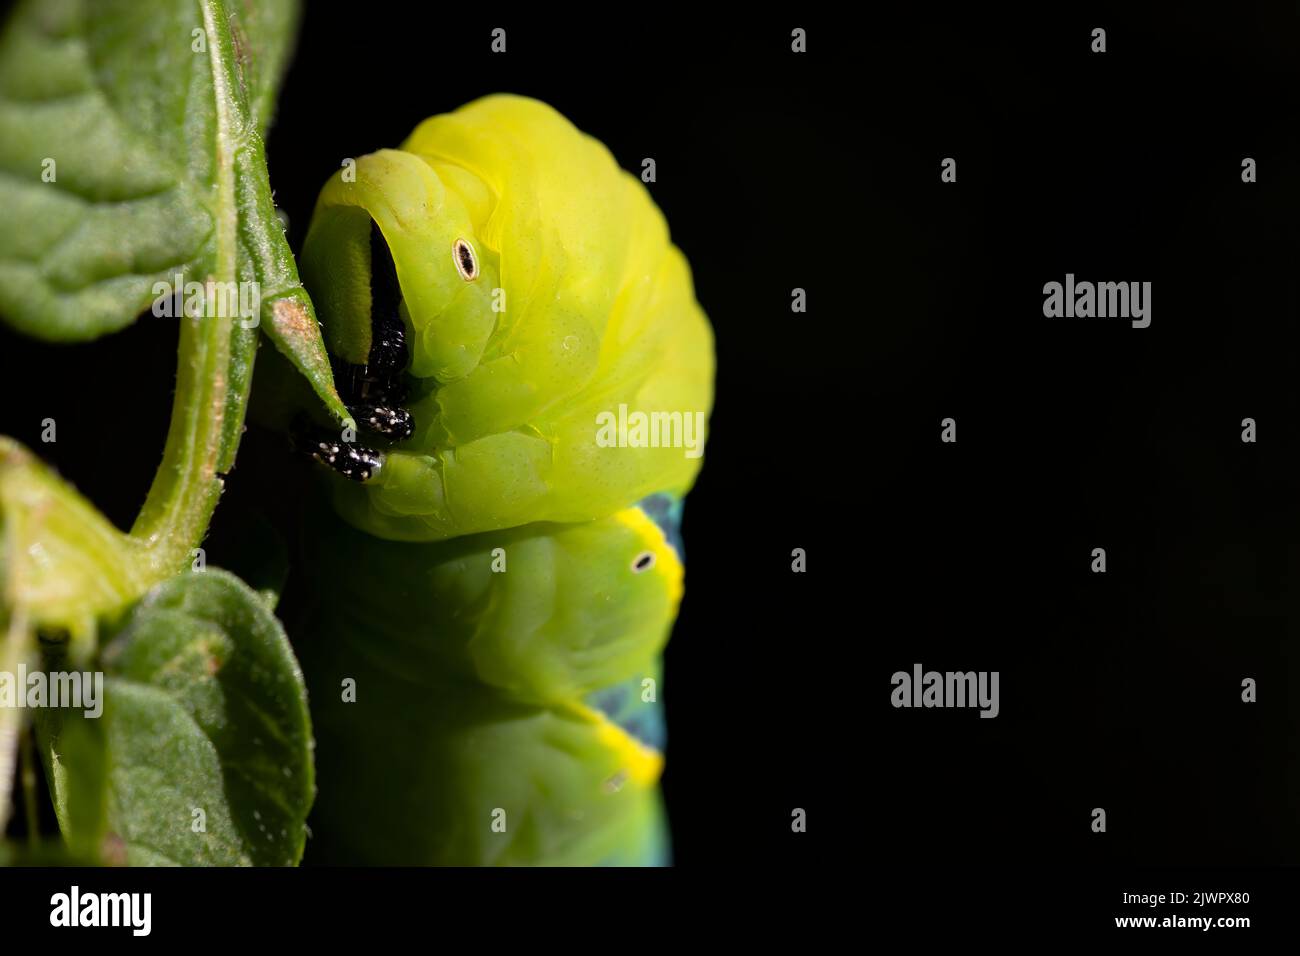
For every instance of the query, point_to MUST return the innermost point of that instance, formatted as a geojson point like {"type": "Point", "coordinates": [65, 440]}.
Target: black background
{"type": "Point", "coordinates": [821, 171]}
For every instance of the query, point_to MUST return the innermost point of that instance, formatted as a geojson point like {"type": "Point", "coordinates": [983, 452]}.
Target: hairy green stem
{"type": "Point", "coordinates": [187, 486]}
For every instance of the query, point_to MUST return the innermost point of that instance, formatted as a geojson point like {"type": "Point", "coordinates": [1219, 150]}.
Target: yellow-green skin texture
{"type": "Point", "coordinates": [597, 310]}
{"type": "Point", "coordinates": [495, 596]}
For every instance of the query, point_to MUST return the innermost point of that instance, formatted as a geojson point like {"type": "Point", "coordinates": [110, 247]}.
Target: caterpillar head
{"type": "Point", "coordinates": [532, 289]}
{"type": "Point", "coordinates": [391, 241]}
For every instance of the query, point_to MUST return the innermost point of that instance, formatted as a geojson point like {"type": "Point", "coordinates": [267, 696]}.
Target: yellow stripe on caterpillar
{"type": "Point", "coordinates": [664, 559]}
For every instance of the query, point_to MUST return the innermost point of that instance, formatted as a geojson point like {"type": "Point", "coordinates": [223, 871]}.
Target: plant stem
{"type": "Point", "coordinates": [187, 485]}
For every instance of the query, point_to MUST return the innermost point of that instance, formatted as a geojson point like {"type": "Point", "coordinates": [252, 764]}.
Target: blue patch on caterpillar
{"type": "Point", "coordinates": [665, 510]}
{"type": "Point", "coordinates": [622, 704]}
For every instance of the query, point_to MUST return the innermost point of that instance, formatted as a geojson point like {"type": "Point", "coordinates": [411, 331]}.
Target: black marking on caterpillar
{"type": "Point", "coordinates": [466, 262]}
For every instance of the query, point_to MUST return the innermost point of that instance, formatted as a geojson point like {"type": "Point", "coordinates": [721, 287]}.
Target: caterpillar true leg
{"type": "Point", "coordinates": [355, 462]}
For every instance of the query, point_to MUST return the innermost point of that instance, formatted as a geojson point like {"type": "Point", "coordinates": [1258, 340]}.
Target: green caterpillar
{"type": "Point", "coordinates": [505, 577]}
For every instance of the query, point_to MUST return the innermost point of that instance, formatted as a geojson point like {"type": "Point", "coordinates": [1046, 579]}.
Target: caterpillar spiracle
{"type": "Point", "coordinates": [483, 656]}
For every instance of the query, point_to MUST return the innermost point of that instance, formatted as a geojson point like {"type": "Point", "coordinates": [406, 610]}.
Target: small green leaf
{"type": "Point", "coordinates": [63, 566]}
{"type": "Point", "coordinates": [203, 657]}
{"type": "Point", "coordinates": [63, 569]}
{"type": "Point", "coordinates": [75, 755]}
{"type": "Point", "coordinates": [208, 738]}
{"type": "Point", "coordinates": [262, 35]}
{"type": "Point", "coordinates": [130, 153]}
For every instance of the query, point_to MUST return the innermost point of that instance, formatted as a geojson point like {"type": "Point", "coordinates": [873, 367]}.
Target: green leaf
{"type": "Point", "coordinates": [204, 710]}
{"type": "Point", "coordinates": [131, 152]}
{"type": "Point", "coordinates": [75, 755]}
{"type": "Point", "coordinates": [63, 566]}
{"type": "Point", "coordinates": [262, 35]}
